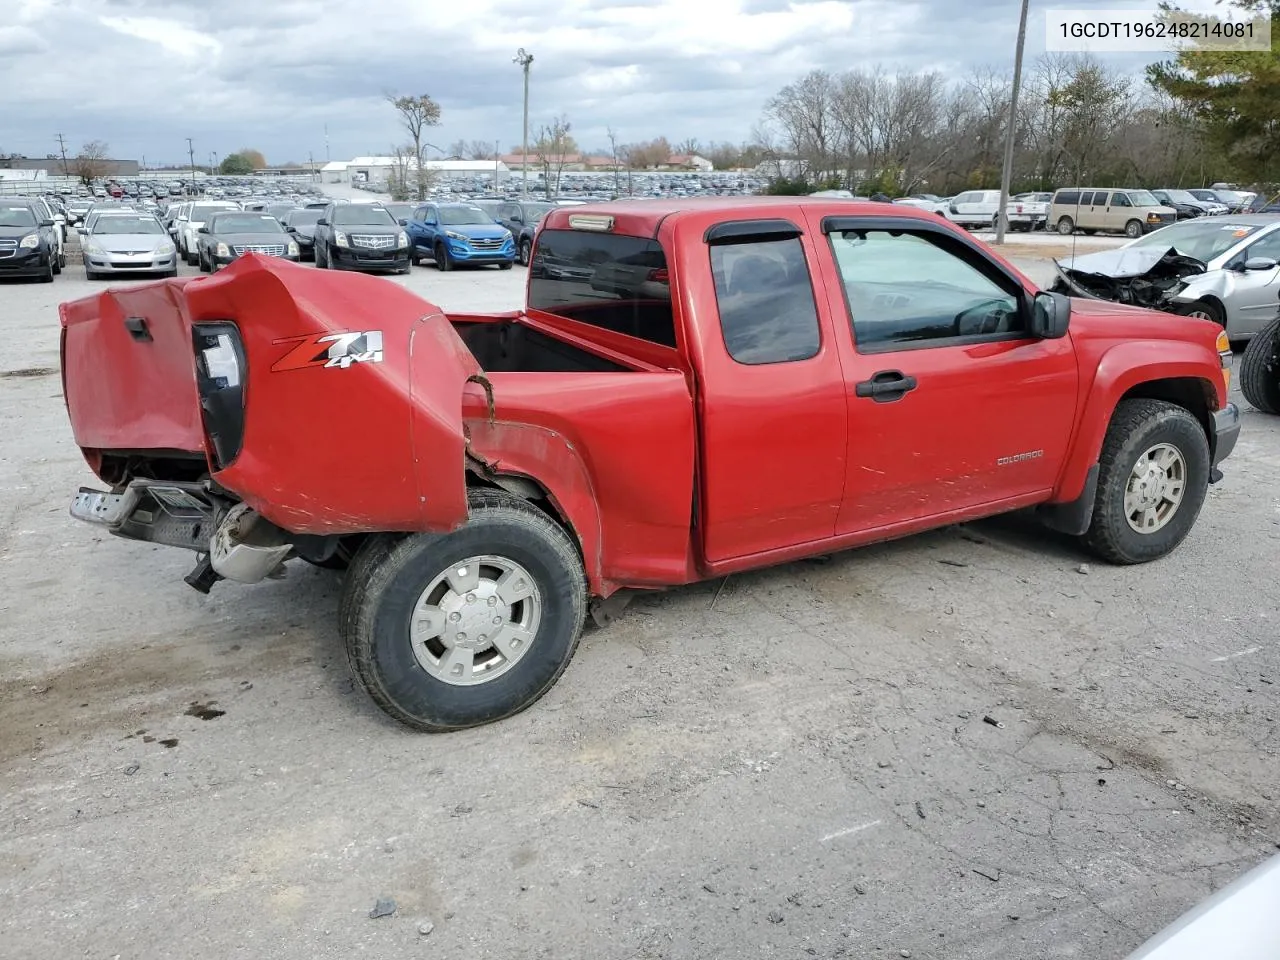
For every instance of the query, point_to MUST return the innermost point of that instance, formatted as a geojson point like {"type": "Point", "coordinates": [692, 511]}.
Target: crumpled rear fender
{"type": "Point", "coordinates": [366, 443]}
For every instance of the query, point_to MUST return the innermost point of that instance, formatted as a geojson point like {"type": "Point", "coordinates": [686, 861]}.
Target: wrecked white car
{"type": "Point", "coordinates": [1224, 269]}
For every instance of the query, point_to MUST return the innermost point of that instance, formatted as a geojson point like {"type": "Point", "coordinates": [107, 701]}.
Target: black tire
{"type": "Point", "coordinates": [505, 266]}
{"type": "Point", "coordinates": [57, 264]}
{"type": "Point", "coordinates": [91, 274]}
{"type": "Point", "coordinates": [1066, 226]}
{"type": "Point", "coordinates": [322, 257]}
{"type": "Point", "coordinates": [1136, 427]}
{"type": "Point", "coordinates": [170, 274]}
{"type": "Point", "coordinates": [388, 577]}
{"type": "Point", "coordinates": [444, 262]}
{"type": "Point", "coordinates": [1260, 369]}
{"type": "Point", "coordinates": [1209, 310]}
{"type": "Point", "coordinates": [1134, 229]}
{"type": "Point", "coordinates": [526, 252]}
{"type": "Point", "coordinates": [203, 264]}
{"type": "Point", "coordinates": [414, 258]}
{"type": "Point", "coordinates": [47, 277]}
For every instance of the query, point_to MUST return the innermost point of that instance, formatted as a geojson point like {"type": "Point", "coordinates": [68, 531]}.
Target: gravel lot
{"type": "Point", "coordinates": [963, 745]}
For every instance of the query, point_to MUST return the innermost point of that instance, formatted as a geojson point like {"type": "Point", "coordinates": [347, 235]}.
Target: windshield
{"type": "Point", "coordinates": [131, 225]}
{"type": "Point", "coordinates": [362, 215]}
{"type": "Point", "coordinates": [300, 218]}
{"type": "Point", "coordinates": [401, 211]}
{"type": "Point", "coordinates": [245, 223]}
{"type": "Point", "coordinates": [17, 217]}
{"type": "Point", "coordinates": [1179, 196]}
{"type": "Point", "coordinates": [1143, 198]}
{"type": "Point", "coordinates": [458, 216]}
{"type": "Point", "coordinates": [1204, 239]}
{"type": "Point", "coordinates": [201, 214]}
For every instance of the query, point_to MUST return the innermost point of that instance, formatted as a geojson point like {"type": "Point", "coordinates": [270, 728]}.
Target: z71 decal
{"type": "Point", "coordinates": [332, 350]}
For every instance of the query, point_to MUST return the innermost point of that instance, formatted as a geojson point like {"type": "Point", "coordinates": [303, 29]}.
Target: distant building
{"type": "Point", "coordinates": [378, 169]}
{"type": "Point", "coordinates": [53, 165]}
{"type": "Point", "coordinates": [687, 161]}
{"type": "Point", "coordinates": [22, 176]}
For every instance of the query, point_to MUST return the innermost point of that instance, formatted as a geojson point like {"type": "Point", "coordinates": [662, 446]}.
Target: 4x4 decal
{"type": "Point", "coordinates": [331, 350]}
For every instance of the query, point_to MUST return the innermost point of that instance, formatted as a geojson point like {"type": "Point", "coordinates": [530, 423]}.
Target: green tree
{"type": "Point", "coordinates": [1233, 96]}
{"type": "Point", "coordinates": [235, 165]}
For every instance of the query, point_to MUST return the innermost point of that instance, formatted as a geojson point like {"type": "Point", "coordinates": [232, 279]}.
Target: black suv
{"type": "Point", "coordinates": [28, 246]}
{"type": "Point", "coordinates": [360, 236]}
{"type": "Point", "coordinates": [521, 218]}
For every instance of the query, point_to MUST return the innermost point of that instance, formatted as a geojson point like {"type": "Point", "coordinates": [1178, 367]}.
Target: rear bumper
{"type": "Point", "coordinates": [1224, 431]}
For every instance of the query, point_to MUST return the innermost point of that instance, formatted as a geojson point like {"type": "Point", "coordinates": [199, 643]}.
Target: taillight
{"type": "Point", "coordinates": [658, 276]}
{"type": "Point", "coordinates": [220, 378]}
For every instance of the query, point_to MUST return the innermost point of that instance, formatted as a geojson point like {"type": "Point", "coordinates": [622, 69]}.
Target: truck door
{"type": "Point", "coordinates": [771, 395]}
{"type": "Point", "coordinates": [951, 405]}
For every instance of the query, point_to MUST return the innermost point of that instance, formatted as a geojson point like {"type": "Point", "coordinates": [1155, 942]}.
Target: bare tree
{"type": "Point", "coordinates": [400, 178]}
{"type": "Point", "coordinates": [687, 148]}
{"type": "Point", "coordinates": [417, 114]}
{"type": "Point", "coordinates": [553, 147]}
{"type": "Point", "coordinates": [481, 150]}
{"type": "Point", "coordinates": [613, 152]}
{"type": "Point", "coordinates": [649, 154]}
{"type": "Point", "coordinates": [91, 162]}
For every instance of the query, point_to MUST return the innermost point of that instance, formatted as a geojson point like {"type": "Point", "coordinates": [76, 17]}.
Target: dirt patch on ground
{"type": "Point", "coordinates": [28, 372]}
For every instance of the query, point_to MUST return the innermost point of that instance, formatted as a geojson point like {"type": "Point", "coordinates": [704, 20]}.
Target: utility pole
{"type": "Point", "coordinates": [191, 153]}
{"type": "Point", "coordinates": [497, 161]}
{"type": "Point", "coordinates": [524, 59]}
{"type": "Point", "coordinates": [311, 164]}
{"type": "Point", "coordinates": [326, 143]}
{"type": "Point", "coordinates": [62, 144]}
{"type": "Point", "coordinates": [213, 161]}
{"type": "Point", "coordinates": [1006, 175]}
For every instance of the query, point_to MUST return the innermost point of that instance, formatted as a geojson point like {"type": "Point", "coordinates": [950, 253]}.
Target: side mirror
{"type": "Point", "coordinates": [516, 218]}
{"type": "Point", "coordinates": [83, 231]}
{"type": "Point", "coordinates": [1050, 315]}
{"type": "Point", "coordinates": [1260, 263]}
{"type": "Point", "coordinates": [322, 222]}
{"type": "Point", "coordinates": [46, 223]}
{"type": "Point", "coordinates": [203, 230]}
{"type": "Point", "coordinates": [404, 222]}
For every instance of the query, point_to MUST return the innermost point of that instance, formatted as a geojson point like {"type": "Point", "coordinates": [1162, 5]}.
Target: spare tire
{"type": "Point", "coordinates": [1260, 369]}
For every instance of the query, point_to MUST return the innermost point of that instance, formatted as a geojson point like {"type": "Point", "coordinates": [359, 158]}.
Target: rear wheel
{"type": "Point", "coordinates": [1152, 480]}
{"type": "Point", "coordinates": [1066, 226]}
{"type": "Point", "coordinates": [1133, 229]}
{"type": "Point", "coordinates": [526, 252]}
{"type": "Point", "coordinates": [1260, 369]}
{"type": "Point", "coordinates": [465, 628]}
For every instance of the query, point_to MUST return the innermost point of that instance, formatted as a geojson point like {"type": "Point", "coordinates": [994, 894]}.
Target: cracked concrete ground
{"type": "Point", "coordinates": [794, 762]}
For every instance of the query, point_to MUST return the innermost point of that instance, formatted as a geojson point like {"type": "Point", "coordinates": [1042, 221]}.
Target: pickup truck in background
{"type": "Point", "coordinates": [694, 388]}
{"type": "Point", "coordinates": [1029, 211]}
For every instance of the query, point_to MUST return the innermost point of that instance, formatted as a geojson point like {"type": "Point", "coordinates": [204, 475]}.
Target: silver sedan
{"type": "Point", "coordinates": [124, 243]}
{"type": "Point", "coordinates": [1239, 287]}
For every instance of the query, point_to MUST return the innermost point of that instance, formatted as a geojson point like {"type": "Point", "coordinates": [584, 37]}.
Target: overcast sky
{"type": "Point", "coordinates": [144, 75]}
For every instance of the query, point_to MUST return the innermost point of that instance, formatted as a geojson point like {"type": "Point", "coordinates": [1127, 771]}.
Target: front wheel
{"type": "Point", "coordinates": [1260, 369]}
{"type": "Point", "coordinates": [443, 260]}
{"type": "Point", "coordinates": [1066, 226]}
{"type": "Point", "coordinates": [1152, 480]}
{"type": "Point", "coordinates": [1133, 229]}
{"type": "Point", "coordinates": [526, 252]}
{"type": "Point", "coordinates": [465, 628]}
{"type": "Point", "coordinates": [505, 265]}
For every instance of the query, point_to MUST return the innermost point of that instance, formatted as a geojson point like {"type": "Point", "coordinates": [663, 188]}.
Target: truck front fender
{"type": "Point", "coordinates": [1163, 368]}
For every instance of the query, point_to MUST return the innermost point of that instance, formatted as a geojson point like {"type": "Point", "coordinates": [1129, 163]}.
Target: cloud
{"type": "Point", "coordinates": [274, 74]}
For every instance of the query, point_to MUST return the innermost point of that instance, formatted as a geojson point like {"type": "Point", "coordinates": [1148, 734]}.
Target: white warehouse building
{"type": "Point", "coordinates": [378, 169]}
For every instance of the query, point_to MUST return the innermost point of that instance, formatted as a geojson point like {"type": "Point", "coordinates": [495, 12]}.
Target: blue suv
{"type": "Point", "coordinates": [457, 233]}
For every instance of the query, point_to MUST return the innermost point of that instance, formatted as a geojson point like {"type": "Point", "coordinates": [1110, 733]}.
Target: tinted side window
{"type": "Point", "coordinates": [966, 198]}
{"type": "Point", "coordinates": [506, 210]}
{"type": "Point", "coordinates": [608, 280]}
{"type": "Point", "coordinates": [1067, 196]}
{"type": "Point", "coordinates": [765, 298]}
{"type": "Point", "coordinates": [905, 288]}
{"type": "Point", "coordinates": [1120, 200]}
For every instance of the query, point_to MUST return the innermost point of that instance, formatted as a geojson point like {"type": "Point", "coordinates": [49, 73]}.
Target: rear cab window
{"type": "Point", "coordinates": [611, 281]}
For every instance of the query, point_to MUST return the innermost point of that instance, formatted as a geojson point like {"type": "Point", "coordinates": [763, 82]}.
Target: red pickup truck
{"type": "Point", "coordinates": [693, 388]}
